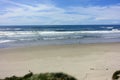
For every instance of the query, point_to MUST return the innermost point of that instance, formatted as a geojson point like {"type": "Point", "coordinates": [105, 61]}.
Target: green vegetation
{"type": "Point", "coordinates": [42, 76]}
{"type": "Point", "coordinates": [116, 75]}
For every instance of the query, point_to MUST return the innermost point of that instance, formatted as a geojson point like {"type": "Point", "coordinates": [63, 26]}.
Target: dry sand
{"type": "Point", "coordinates": [83, 61]}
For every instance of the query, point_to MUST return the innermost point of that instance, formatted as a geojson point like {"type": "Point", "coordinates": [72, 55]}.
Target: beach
{"type": "Point", "coordinates": [95, 61]}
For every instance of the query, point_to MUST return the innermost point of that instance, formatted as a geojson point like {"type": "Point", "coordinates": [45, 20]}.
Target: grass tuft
{"type": "Point", "coordinates": [42, 76]}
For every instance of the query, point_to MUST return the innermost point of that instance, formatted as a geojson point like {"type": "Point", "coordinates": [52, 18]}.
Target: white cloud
{"type": "Point", "coordinates": [100, 13]}
{"type": "Point", "coordinates": [50, 14]}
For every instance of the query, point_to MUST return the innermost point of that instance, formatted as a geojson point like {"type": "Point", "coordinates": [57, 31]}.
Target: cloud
{"type": "Point", "coordinates": [100, 13]}
{"type": "Point", "coordinates": [51, 14]}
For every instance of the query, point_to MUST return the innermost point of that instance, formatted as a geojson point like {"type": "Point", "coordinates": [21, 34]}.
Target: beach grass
{"type": "Point", "coordinates": [116, 75]}
{"type": "Point", "coordinates": [42, 76]}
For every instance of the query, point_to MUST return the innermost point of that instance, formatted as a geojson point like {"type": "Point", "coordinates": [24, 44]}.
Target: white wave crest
{"type": "Point", "coordinates": [5, 41]}
{"type": "Point", "coordinates": [50, 33]}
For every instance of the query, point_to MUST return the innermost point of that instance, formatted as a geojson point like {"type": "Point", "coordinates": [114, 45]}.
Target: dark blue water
{"type": "Point", "coordinates": [28, 35]}
{"type": "Point", "coordinates": [59, 27]}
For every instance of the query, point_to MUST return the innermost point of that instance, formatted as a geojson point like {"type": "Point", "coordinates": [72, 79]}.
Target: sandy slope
{"type": "Point", "coordinates": [84, 61]}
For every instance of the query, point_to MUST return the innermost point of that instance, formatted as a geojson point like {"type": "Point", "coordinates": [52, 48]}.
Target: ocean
{"type": "Point", "coordinates": [29, 35]}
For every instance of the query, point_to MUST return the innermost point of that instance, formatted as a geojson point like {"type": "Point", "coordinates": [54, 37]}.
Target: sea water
{"type": "Point", "coordinates": [28, 35]}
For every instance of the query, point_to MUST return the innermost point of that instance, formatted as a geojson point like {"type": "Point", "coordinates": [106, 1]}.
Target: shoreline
{"type": "Point", "coordinates": [97, 61]}
{"type": "Point", "coordinates": [59, 45]}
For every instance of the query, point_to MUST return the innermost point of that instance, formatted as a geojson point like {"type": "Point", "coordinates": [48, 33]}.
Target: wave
{"type": "Point", "coordinates": [10, 29]}
{"type": "Point", "coordinates": [10, 36]}
{"type": "Point", "coordinates": [23, 35]}
{"type": "Point", "coordinates": [108, 27]}
{"type": "Point", "coordinates": [31, 33]}
{"type": "Point", "coordinates": [5, 41]}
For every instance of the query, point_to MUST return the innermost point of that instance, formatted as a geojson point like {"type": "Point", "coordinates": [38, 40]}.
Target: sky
{"type": "Point", "coordinates": [59, 12]}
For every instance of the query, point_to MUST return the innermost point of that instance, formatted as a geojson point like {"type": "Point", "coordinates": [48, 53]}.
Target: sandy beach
{"type": "Point", "coordinates": [83, 61]}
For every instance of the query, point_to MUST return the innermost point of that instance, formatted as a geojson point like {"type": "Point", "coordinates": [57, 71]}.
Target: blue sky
{"type": "Point", "coordinates": [55, 12]}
